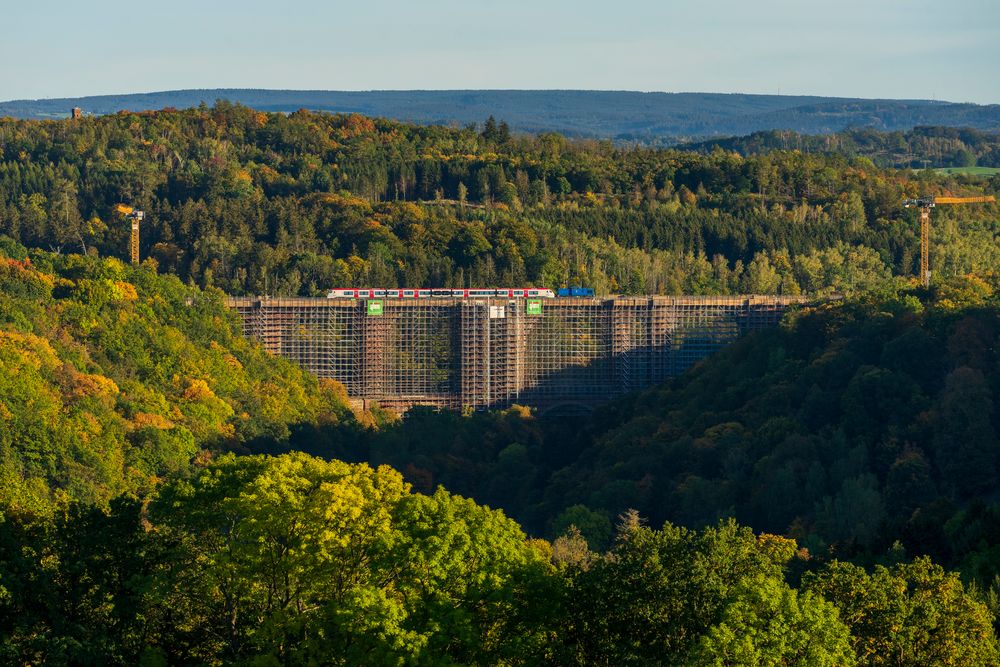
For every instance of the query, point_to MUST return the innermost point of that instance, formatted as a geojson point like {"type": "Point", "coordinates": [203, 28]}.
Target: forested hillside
{"type": "Point", "coordinates": [853, 427]}
{"type": "Point", "coordinates": [112, 377]}
{"type": "Point", "coordinates": [918, 148]}
{"type": "Point", "coordinates": [267, 203]}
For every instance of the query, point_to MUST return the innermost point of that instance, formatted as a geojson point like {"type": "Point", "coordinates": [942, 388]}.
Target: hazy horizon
{"type": "Point", "coordinates": [478, 90]}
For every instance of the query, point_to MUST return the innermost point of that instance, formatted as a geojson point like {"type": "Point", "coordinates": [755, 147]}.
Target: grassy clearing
{"type": "Point", "coordinates": [969, 171]}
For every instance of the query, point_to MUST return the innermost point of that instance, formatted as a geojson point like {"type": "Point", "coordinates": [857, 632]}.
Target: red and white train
{"type": "Point", "coordinates": [423, 293]}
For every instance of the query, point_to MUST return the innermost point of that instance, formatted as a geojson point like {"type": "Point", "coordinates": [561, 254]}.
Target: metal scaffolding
{"type": "Point", "coordinates": [565, 354]}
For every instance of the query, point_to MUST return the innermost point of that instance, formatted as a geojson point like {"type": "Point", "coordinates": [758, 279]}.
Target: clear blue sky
{"type": "Point", "coordinates": [942, 49]}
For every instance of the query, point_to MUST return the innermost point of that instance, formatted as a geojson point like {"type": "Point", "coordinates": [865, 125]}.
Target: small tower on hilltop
{"type": "Point", "coordinates": [76, 112]}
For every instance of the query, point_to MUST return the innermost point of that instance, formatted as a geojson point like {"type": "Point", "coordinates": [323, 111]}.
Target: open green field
{"type": "Point", "coordinates": [971, 171]}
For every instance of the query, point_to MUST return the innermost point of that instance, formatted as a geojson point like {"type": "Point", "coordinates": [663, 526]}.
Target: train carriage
{"type": "Point", "coordinates": [424, 293]}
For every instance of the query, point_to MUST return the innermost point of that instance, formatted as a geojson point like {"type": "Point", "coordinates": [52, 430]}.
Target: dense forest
{"type": "Point", "coordinates": [918, 148]}
{"type": "Point", "coordinates": [822, 493]}
{"type": "Point", "coordinates": [112, 377]}
{"type": "Point", "coordinates": [297, 561]}
{"type": "Point", "coordinates": [279, 204]}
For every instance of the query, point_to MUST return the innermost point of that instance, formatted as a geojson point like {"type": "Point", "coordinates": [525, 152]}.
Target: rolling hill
{"type": "Point", "coordinates": [621, 115]}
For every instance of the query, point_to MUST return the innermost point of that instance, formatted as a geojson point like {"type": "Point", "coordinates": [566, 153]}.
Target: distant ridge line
{"type": "Point", "coordinates": [645, 117]}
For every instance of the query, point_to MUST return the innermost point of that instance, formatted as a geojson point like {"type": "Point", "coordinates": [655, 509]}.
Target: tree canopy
{"type": "Point", "coordinates": [112, 377]}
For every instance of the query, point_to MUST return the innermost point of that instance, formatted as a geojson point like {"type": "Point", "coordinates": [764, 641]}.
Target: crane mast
{"type": "Point", "coordinates": [134, 243]}
{"type": "Point", "coordinates": [136, 217]}
{"type": "Point", "coordinates": [925, 204]}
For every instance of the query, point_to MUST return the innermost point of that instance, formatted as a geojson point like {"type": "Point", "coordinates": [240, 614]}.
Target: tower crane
{"type": "Point", "coordinates": [136, 217]}
{"type": "Point", "coordinates": [925, 204]}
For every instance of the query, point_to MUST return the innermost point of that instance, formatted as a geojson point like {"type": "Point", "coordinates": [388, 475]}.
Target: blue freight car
{"type": "Point", "coordinates": [575, 291]}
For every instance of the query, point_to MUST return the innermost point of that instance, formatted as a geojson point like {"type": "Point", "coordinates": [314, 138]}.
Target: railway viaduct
{"type": "Point", "coordinates": [563, 355]}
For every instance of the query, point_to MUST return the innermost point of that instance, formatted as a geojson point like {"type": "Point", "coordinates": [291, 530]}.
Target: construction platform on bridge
{"type": "Point", "coordinates": [568, 354]}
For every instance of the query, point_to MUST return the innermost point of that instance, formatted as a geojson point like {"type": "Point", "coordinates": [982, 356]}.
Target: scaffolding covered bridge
{"type": "Point", "coordinates": [564, 354]}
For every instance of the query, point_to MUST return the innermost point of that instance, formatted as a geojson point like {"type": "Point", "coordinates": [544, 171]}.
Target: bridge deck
{"type": "Point", "coordinates": [490, 353]}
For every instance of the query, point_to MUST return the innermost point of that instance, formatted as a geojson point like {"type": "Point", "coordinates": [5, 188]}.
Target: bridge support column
{"type": "Point", "coordinates": [374, 340]}
{"type": "Point", "coordinates": [475, 354]}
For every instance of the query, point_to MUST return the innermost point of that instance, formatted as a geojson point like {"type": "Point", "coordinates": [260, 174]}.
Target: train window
{"type": "Point", "coordinates": [441, 292]}
{"type": "Point", "coordinates": [407, 292]}
{"type": "Point", "coordinates": [458, 293]}
{"type": "Point", "coordinates": [378, 292]}
{"type": "Point", "coordinates": [363, 292]}
{"type": "Point", "coordinates": [532, 292]}
{"type": "Point", "coordinates": [423, 292]}
{"type": "Point", "coordinates": [519, 292]}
